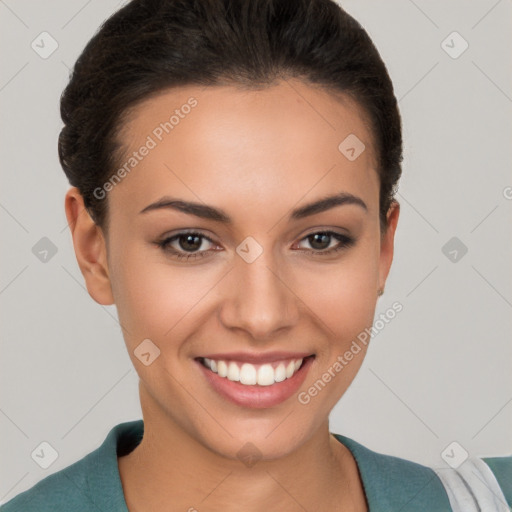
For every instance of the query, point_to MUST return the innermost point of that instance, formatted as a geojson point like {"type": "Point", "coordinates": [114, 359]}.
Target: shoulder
{"type": "Point", "coordinates": [65, 488]}
{"type": "Point", "coordinates": [88, 484]}
{"type": "Point", "coordinates": [479, 483]}
{"type": "Point", "coordinates": [502, 470]}
{"type": "Point", "coordinates": [393, 483]}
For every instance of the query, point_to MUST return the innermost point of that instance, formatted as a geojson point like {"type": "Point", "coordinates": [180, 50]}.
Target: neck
{"type": "Point", "coordinates": [172, 470]}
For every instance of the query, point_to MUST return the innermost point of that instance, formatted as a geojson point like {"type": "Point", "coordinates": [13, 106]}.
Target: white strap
{"type": "Point", "coordinates": [472, 487]}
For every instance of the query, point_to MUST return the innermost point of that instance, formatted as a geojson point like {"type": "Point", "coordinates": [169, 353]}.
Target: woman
{"type": "Point", "coordinates": [233, 167]}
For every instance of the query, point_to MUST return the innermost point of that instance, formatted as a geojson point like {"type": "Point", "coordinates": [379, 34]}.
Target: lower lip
{"type": "Point", "coordinates": [257, 397]}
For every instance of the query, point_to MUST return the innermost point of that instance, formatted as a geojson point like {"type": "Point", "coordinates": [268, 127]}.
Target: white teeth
{"type": "Point", "coordinates": [233, 372]}
{"type": "Point", "coordinates": [249, 374]}
{"type": "Point", "coordinates": [290, 369]}
{"type": "Point", "coordinates": [265, 375]}
{"type": "Point", "coordinates": [280, 373]}
{"type": "Point", "coordinates": [222, 369]}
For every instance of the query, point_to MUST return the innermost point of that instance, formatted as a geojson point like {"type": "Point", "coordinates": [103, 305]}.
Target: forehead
{"type": "Point", "coordinates": [265, 147]}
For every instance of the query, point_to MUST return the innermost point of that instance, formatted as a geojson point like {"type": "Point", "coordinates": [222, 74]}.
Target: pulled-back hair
{"type": "Point", "coordinates": [150, 46]}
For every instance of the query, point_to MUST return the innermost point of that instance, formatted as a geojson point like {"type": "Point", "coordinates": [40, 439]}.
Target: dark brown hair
{"type": "Point", "coordinates": [150, 46]}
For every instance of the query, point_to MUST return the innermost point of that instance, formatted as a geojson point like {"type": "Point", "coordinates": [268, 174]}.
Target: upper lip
{"type": "Point", "coordinates": [257, 358]}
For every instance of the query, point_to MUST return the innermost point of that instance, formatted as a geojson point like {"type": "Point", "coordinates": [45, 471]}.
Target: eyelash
{"type": "Point", "coordinates": [344, 243]}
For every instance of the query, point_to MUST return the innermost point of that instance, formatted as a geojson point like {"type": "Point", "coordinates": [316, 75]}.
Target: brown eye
{"type": "Point", "coordinates": [186, 245]}
{"type": "Point", "coordinates": [190, 242]}
{"type": "Point", "coordinates": [321, 242]}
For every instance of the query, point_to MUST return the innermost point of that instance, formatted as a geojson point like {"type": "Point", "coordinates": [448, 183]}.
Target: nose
{"type": "Point", "coordinates": [259, 299]}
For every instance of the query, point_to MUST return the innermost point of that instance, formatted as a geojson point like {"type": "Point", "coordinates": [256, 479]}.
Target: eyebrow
{"type": "Point", "coordinates": [210, 213]}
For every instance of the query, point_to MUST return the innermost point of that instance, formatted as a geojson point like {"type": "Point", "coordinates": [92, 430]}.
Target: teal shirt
{"type": "Point", "coordinates": [93, 483]}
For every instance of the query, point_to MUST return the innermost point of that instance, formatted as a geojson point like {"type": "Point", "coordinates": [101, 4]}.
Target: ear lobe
{"type": "Point", "coordinates": [387, 243]}
{"type": "Point", "coordinates": [90, 248]}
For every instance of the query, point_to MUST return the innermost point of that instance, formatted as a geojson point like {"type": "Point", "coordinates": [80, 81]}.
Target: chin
{"type": "Point", "coordinates": [255, 448]}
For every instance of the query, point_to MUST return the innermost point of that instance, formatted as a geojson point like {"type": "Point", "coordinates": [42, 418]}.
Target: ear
{"type": "Point", "coordinates": [387, 243]}
{"type": "Point", "coordinates": [90, 248]}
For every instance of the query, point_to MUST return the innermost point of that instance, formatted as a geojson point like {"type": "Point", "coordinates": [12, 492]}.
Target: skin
{"type": "Point", "coordinates": [256, 155]}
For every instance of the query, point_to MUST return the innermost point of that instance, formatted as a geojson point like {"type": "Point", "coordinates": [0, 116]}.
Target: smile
{"type": "Point", "coordinates": [255, 381]}
{"type": "Point", "coordinates": [252, 374]}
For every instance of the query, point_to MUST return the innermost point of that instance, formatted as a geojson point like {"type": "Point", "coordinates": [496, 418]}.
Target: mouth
{"type": "Point", "coordinates": [249, 374]}
{"type": "Point", "coordinates": [255, 384]}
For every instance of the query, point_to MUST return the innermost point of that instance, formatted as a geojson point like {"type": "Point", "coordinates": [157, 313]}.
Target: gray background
{"type": "Point", "coordinates": [438, 373]}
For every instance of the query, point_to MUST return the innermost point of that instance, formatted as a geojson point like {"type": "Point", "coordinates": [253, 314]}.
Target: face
{"type": "Point", "coordinates": [272, 291]}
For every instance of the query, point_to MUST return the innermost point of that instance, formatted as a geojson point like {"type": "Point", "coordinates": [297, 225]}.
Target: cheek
{"type": "Point", "coordinates": [343, 294]}
{"type": "Point", "coordinates": [153, 296]}
{"type": "Point", "coordinates": [343, 300]}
